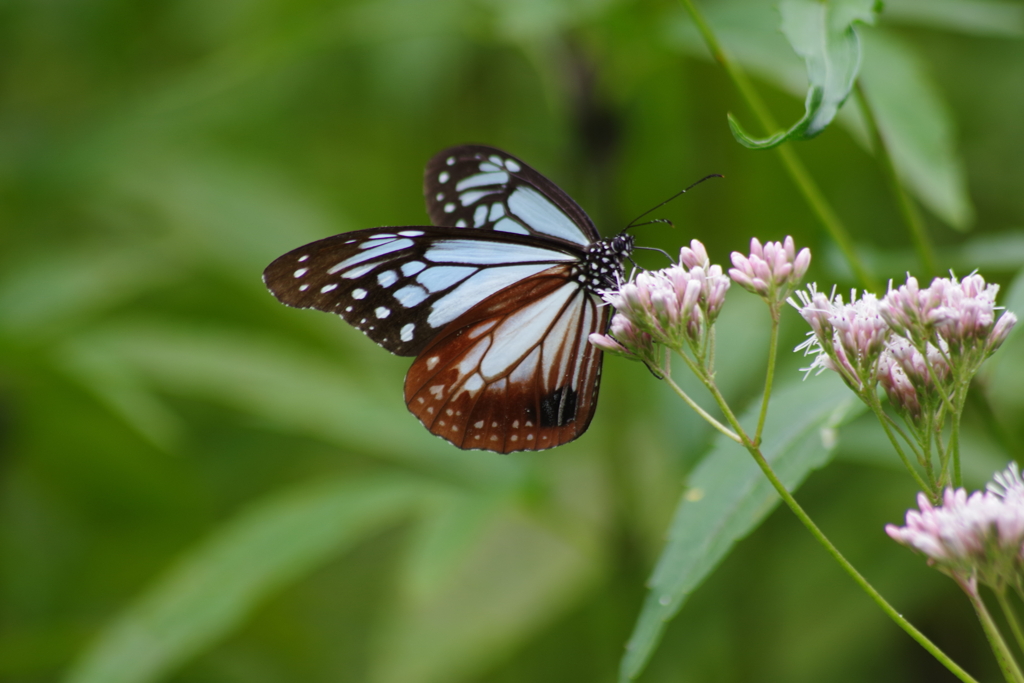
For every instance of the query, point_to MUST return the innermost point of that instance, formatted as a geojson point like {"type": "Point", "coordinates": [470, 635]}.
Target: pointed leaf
{"type": "Point", "coordinates": [972, 17]}
{"type": "Point", "coordinates": [728, 497]}
{"type": "Point", "coordinates": [217, 584]}
{"type": "Point", "coordinates": [917, 127]}
{"type": "Point", "coordinates": [824, 36]}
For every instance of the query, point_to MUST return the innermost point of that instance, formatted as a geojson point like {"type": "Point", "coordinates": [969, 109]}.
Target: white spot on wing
{"type": "Point", "coordinates": [300, 272]}
{"type": "Point", "coordinates": [555, 341]}
{"type": "Point", "coordinates": [476, 289]}
{"type": "Point", "coordinates": [412, 233]}
{"type": "Point", "coordinates": [443, 177]}
{"type": "Point", "coordinates": [382, 249]}
{"type": "Point", "coordinates": [482, 179]}
{"type": "Point", "coordinates": [474, 383]}
{"type": "Point", "coordinates": [387, 278]}
{"type": "Point", "coordinates": [467, 198]}
{"type": "Point", "coordinates": [480, 216]}
{"type": "Point", "coordinates": [450, 161]}
{"type": "Point", "coordinates": [511, 165]}
{"type": "Point", "coordinates": [497, 211]}
{"type": "Point", "coordinates": [358, 293]}
{"type": "Point", "coordinates": [328, 288]}
{"type": "Point", "coordinates": [472, 359]}
{"type": "Point", "coordinates": [522, 330]}
{"type": "Point", "coordinates": [509, 225]}
{"type": "Point", "coordinates": [410, 295]}
{"type": "Point", "coordinates": [412, 267]}
{"type": "Point", "coordinates": [476, 251]}
{"type": "Point", "coordinates": [381, 312]}
{"type": "Point", "coordinates": [303, 288]}
{"type": "Point", "coordinates": [439, 278]}
{"type": "Point", "coordinates": [449, 207]}
{"type": "Point", "coordinates": [543, 216]}
{"type": "Point", "coordinates": [406, 332]}
{"type": "Point", "coordinates": [303, 258]}
{"type": "Point", "coordinates": [432, 362]}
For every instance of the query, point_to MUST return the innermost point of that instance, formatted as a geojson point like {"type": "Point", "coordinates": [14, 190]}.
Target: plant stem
{"type": "Point", "coordinates": [1003, 655]}
{"type": "Point", "coordinates": [1011, 618]}
{"type": "Point", "coordinates": [909, 210]}
{"type": "Point", "coordinates": [805, 519]}
{"type": "Point", "coordinates": [797, 172]}
{"type": "Point", "coordinates": [773, 350]}
{"type": "Point", "coordinates": [876, 408]}
{"type": "Point", "coordinates": [700, 411]}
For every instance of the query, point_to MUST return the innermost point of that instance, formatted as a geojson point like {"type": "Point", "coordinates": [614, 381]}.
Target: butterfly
{"type": "Point", "coordinates": [496, 300]}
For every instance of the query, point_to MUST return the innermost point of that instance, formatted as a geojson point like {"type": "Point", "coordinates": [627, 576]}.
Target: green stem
{"type": "Point", "coordinates": [909, 210]}
{"type": "Point", "coordinates": [954, 444]}
{"type": "Point", "coordinates": [805, 519]}
{"type": "Point", "coordinates": [1011, 618]}
{"type": "Point", "coordinates": [773, 350]}
{"type": "Point", "coordinates": [700, 411]}
{"type": "Point", "coordinates": [797, 172]}
{"type": "Point", "coordinates": [995, 639]}
{"type": "Point", "coordinates": [876, 408]}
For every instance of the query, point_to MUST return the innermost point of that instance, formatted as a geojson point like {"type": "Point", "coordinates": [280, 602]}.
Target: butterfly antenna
{"type": "Point", "coordinates": [634, 224]}
{"type": "Point", "coordinates": [667, 255]}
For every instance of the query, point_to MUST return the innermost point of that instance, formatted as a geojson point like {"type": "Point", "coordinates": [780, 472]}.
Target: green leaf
{"type": "Point", "coordinates": [824, 36]}
{"type": "Point", "coordinates": [973, 17]}
{"type": "Point", "coordinates": [728, 496]}
{"type": "Point", "coordinates": [917, 127]}
{"type": "Point", "coordinates": [517, 576]}
{"type": "Point", "coordinates": [217, 584]}
{"type": "Point", "coordinates": [284, 385]}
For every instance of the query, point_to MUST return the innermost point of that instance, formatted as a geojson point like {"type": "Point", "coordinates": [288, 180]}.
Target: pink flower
{"type": "Point", "coordinates": [847, 338]}
{"type": "Point", "coordinates": [674, 305]}
{"type": "Point", "coordinates": [960, 313]}
{"type": "Point", "coordinates": [771, 270]}
{"type": "Point", "coordinates": [626, 340]}
{"type": "Point", "coordinates": [978, 536]}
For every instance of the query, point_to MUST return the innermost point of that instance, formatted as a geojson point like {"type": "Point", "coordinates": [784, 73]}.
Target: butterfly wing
{"type": "Point", "coordinates": [473, 186]}
{"type": "Point", "coordinates": [514, 372]}
{"type": "Point", "coordinates": [400, 286]}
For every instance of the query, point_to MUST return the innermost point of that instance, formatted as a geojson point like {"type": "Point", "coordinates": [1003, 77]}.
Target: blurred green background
{"type": "Point", "coordinates": [198, 484]}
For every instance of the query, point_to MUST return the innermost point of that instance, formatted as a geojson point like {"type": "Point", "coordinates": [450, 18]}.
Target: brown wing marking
{"type": "Point", "coordinates": [515, 372]}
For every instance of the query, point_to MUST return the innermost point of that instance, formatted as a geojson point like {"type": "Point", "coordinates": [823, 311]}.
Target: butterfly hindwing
{"type": "Point", "coordinates": [400, 286]}
{"type": "Point", "coordinates": [473, 186]}
{"type": "Point", "coordinates": [515, 372]}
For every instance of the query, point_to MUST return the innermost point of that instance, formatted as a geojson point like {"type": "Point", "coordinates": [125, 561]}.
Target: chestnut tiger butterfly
{"type": "Point", "coordinates": [496, 300]}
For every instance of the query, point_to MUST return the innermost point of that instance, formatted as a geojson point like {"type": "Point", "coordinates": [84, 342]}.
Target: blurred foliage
{"type": "Point", "coordinates": [198, 484]}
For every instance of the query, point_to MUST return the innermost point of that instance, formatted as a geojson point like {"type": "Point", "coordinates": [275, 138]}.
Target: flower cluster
{"type": "Point", "coordinates": [674, 306]}
{"type": "Point", "coordinates": [771, 271]}
{"type": "Point", "coordinates": [972, 538]}
{"type": "Point", "coordinates": [959, 316]}
{"type": "Point", "coordinates": [916, 342]}
{"type": "Point", "coordinates": [847, 338]}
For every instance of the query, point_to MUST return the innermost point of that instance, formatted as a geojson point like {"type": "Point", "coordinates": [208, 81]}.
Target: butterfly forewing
{"type": "Point", "coordinates": [497, 301]}
{"type": "Point", "coordinates": [515, 372]}
{"type": "Point", "coordinates": [473, 186]}
{"type": "Point", "coordinates": [400, 286]}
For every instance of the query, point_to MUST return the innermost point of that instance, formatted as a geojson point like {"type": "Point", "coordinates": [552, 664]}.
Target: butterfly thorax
{"type": "Point", "coordinates": [602, 267]}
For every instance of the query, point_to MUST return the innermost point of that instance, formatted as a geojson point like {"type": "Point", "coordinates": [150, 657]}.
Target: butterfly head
{"type": "Point", "coordinates": [602, 268]}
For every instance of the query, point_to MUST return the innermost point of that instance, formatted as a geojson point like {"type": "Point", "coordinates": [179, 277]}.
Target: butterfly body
{"type": "Point", "coordinates": [496, 301]}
